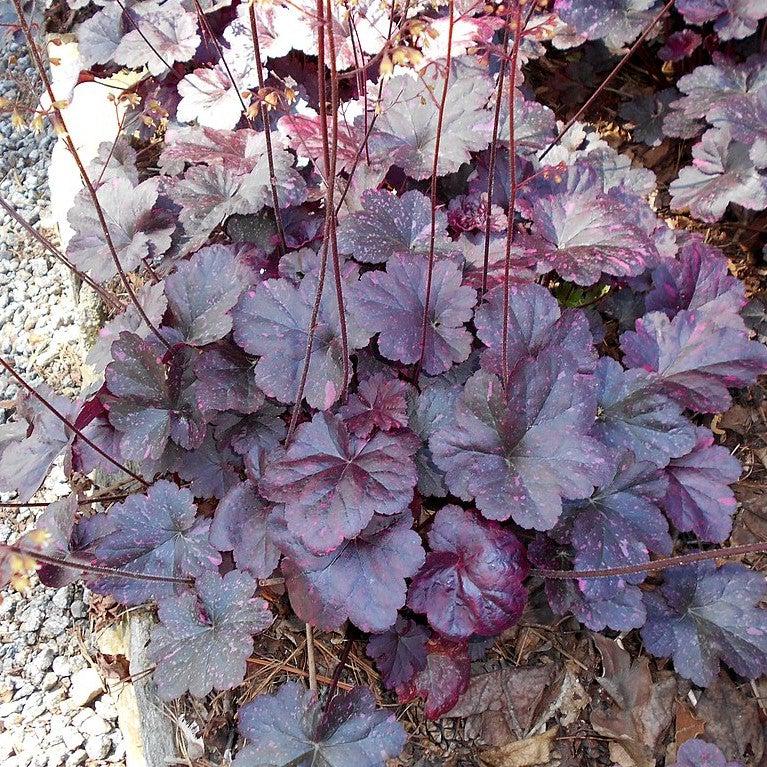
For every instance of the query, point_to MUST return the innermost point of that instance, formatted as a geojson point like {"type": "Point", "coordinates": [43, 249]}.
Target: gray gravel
{"type": "Point", "coordinates": [53, 710]}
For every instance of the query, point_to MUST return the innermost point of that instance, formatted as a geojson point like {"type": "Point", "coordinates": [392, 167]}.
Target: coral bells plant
{"type": "Point", "coordinates": [382, 332]}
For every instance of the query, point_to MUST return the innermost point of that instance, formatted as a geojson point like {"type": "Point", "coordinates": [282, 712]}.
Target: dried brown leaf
{"type": "Point", "coordinates": [507, 704]}
{"type": "Point", "coordinates": [521, 753]}
{"type": "Point", "coordinates": [643, 710]}
{"type": "Point", "coordinates": [732, 720]}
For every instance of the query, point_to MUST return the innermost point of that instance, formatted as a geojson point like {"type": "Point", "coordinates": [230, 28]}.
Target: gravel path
{"type": "Point", "coordinates": [53, 709]}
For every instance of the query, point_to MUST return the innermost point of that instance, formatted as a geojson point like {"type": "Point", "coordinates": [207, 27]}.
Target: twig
{"type": "Point", "coordinates": [310, 659]}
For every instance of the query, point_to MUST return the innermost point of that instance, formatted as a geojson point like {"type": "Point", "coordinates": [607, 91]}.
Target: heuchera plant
{"type": "Point", "coordinates": [388, 341]}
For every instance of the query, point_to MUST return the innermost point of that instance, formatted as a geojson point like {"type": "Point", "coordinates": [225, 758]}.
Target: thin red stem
{"type": "Point", "coordinates": [108, 297]}
{"type": "Point", "coordinates": [330, 199]}
{"type": "Point", "coordinates": [658, 564]}
{"type": "Point", "coordinates": [267, 129]}
{"type": "Point", "coordinates": [433, 190]}
{"type": "Point", "coordinates": [68, 423]}
{"type": "Point", "coordinates": [512, 190]}
{"type": "Point", "coordinates": [85, 567]}
{"type": "Point", "coordinates": [42, 504]}
{"type": "Point", "coordinates": [493, 153]}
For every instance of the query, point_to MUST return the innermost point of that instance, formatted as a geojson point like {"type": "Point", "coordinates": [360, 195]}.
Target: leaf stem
{"type": "Point", "coordinates": [658, 564]}
{"type": "Point", "coordinates": [267, 129]}
{"type": "Point", "coordinates": [433, 190]}
{"type": "Point", "coordinates": [86, 567]}
{"type": "Point", "coordinates": [40, 66]}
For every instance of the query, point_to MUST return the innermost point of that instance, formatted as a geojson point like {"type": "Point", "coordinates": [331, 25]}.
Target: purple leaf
{"type": "Point", "coordinates": [380, 402]}
{"type": "Point", "coordinates": [698, 753]}
{"type": "Point", "coordinates": [159, 36]}
{"type": "Point", "coordinates": [67, 540]}
{"type": "Point", "coordinates": [391, 303]}
{"type": "Point", "coordinates": [582, 234]}
{"type": "Point", "coordinates": [621, 609]}
{"type": "Point", "coordinates": [153, 302]}
{"type": "Point", "coordinates": [720, 84]}
{"type": "Point", "coordinates": [407, 120]}
{"type": "Point", "coordinates": [209, 97]}
{"type": "Point", "coordinates": [99, 36]}
{"type": "Point", "coordinates": [135, 231]}
{"type": "Point", "coordinates": [703, 614]}
{"type": "Point", "coordinates": [399, 652]}
{"type": "Point", "coordinates": [618, 526]}
{"type": "Point", "coordinates": [273, 320]}
{"type": "Point", "coordinates": [694, 359]}
{"type": "Point", "coordinates": [290, 728]}
{"type": "Point", "coordinates": [646, 112]}
{"type": "Point", "coordinates": [225, 381]}
{"type": "Point", "coordinates": [151, 404]}
{"type": "Point", "coordinates": [537, 327]}
{"type": "Point", "coordinates": [697, 280]}
{"type": "Point", "coordinates": [471, 582]}
{"type": "Point", "coordinates": [721, 172]}
{"type": "Point", "coordinates": [534, 124]}
{"type": "Point", "coordinates": [391, 225]}
{"type": "Point", "coordinates": [240, 526]}
{"type": "Point", "coordinates": [699, 499]}
{"type": "Point", "coordinates": [634, 416]}
{"type": "Point", "coordinates": [746, 119]}
{"type": "Point", "coordinates": [733, 19]}
{"type": "Point", "coordinates": [332, 482]}
{"type": "Point", "coordinates": [29, 447]}
{"type": "Point", "coordinates": [443, 680]}
{"type": "Point", "coordinates": [205, 638]}
{"type": "Point", "coordinates": [519, 453]}
{"type": "Point", "coordinates": [202, 291]}
{"type": "Point", "coordinates": [210, 469]}
{"type": "Point", "coordinates": [617, 22]}
{"type": "Point", "coordinates": [679, 45]}
{"type": "Point", "coordinates": [363, 580]}
{"type": "Point", "coordinates": [431, 408]}
{"type": "Point", "coordinates": [264, 430]}
{"type": "Point", "coordinates": [154, 534]}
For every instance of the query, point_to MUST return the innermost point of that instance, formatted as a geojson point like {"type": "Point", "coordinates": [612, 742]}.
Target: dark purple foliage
{"type": "Point", "coordinates": [399, 652]}
{"type": "Point", "coordinates": [240, 526]}
{"type": "Point", "coordinates": [156, 534]}
{"type": "Point", "coordinates": [635, 416]}
{"type": "Point", "coordinates": [29, 446]}
{"type": "Point", "coordinates": [695, 360]}
{"type": "Point", "coordinates": [698, 498]}
{"type": "Point", "coordinates": [680, 45]}
{"type": "Point", "coordinates": [471, 582]}
{"type": "Point", "coordinates": [703, 614]}
{"type": "Point", "coordinates": [391, 304]}
{"type": "Point", "coordinates": [363, 580]}
{"type": "Point", "coordinates": [205, 636]}
{"type": "Point", "coordinates": [331, 385]}
{"type": "Point", "coordinates": [519, 453]}
{"type": "Point", "coordinates": [332, 482]}
{"type": "Point", "coordinates": [291, 728]}
{"type": "Point", "coordinates": [442, 680]}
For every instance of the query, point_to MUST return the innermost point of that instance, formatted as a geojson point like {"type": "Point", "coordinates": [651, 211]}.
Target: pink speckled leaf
{"type": "Point", "coordinates": [332, 482]}
{"type": "Point", "coordinates": [290, 729]}
{"type": "Point", "coordinates": [155, 534]}
{"type": "Point", "coordinates": [702, 615]}
{"type": "Point", "coordinates": [363, 580]}
{"type": "Point", "coordinates": [519, 453]}
{"type": "Point", "coordinates": [206, 636]}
